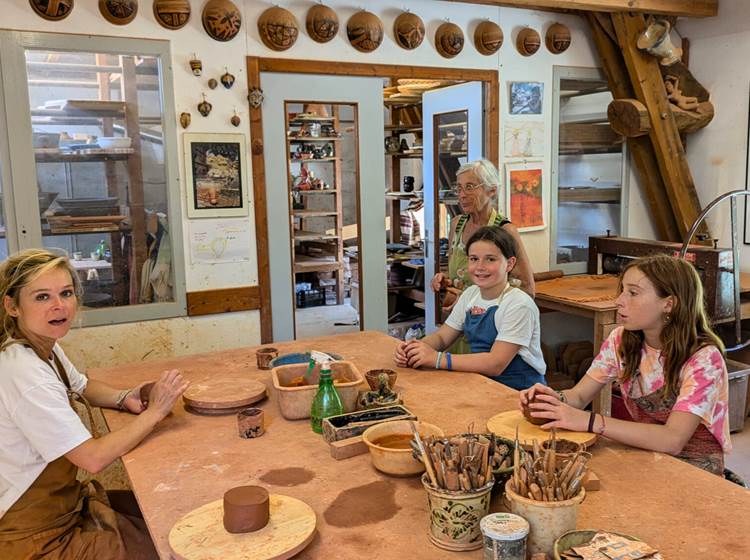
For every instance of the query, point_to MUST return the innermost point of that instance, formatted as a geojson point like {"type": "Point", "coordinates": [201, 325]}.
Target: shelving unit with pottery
{"type": "Point", "coordinates": [315, 196]}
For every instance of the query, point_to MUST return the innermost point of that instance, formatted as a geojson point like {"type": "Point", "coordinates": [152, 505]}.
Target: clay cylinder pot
{"type": "Point", "coordinates": [533, 419]}
{"type": "Point", "coordinates": [264, 357]}
{"type": "Point", "coordinates": [250, 423]}
{"type": "Point", "coordinates": [246, 509]}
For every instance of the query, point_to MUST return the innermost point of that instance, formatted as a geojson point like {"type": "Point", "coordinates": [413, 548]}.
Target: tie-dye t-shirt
{"type": "Point", "coordinates": [704, 383]}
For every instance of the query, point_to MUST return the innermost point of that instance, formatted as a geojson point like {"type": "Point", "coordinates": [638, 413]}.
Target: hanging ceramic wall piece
{"type": "Point", "coordinates": [53, 10]}
{"type": "Point", "coordinates": [221, 20]}
{"type": "Point", "coordinates": [322, 23]}
{"type": "Point", "coordinates": [196, 66]}
{"type": "Point", "coordinates": [557, 38]}
{"type": "Point", "coordinates": [255, 97]}
{"type": "Point", "coordinates": [488, 37]}
{"type": "Point", "coordinates": [118, 12]}
{"type": "Point", "coordinates": [172, 14]}
{"type": "Point", "coordinates": [235, 120]}
{"type": "Point", "coordinates": [227, 79]}
{"type": "Point", "coordinates": [449, 39]}
{"type": "Point", "coordinates": [528, 41]}
{"type": "Point", "coordinates": [212, 83]}
{"type": "Point", "coordinates": [185, 119]}
{"type": "Point", "coordinates": [408, 30]}
{"type": "Point", "coordinates": [278, 28]}
{"type": "Point", "coordinates": [365, 31]}
{"type": "Point", "coordinates": [204, 107]}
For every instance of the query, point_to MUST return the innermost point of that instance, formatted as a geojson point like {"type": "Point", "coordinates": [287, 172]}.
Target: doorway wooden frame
{"type": "Point", "coordinates": [256, 65]}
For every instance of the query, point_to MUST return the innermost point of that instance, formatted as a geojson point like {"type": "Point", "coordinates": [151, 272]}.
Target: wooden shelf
{"type": "Point", "coordinates": [319, 191]}
{"type": "Point", "coordinates": [302, 235]}
{"type": "Point", "coordinates": [402, 128]}
{"type": "Point", "coordinates": [313, 160]}
{"type": "Point", "coordinates": [399, 103]}
{"type": "Point", "coordinates": [300, 121]}
{"type": "Point", "coordinates": [309, 140]}
{"type": "Point", "coordinates": [62, 157]}
{"type": "Point", "coordinates": [315, 213]}
{"type": "Point", "coordinates": [458, 153]}
{"type": "Point", "coordinates": [409, 154]}
{"type": "Point", "coordinates": [605, 195]}
{"type": "Point", "coordinates": [304, 263]}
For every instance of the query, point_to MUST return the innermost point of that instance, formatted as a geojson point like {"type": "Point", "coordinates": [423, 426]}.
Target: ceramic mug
{"type": "Point", "coordinates": [264, 357]}
{"type": "Point", "coordinates": [250, 423]}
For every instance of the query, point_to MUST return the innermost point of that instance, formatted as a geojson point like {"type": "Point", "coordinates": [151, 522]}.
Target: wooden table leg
{"type": "Point", "coordinates": [604, 323]}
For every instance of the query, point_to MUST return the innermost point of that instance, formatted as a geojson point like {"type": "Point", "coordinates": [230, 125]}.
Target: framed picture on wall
{"type": "Point", "coordinates": [524, 195]}
{"type": "Point", "coordinates": [215, 175]}
{"type": "Point", "coordinates": [526, 98]}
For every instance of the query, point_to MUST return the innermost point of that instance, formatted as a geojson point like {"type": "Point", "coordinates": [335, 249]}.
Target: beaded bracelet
{"type": "Point", "coordinates": [604, 425]}
{"type": "Point", "coordinates": [439, 358]}
{"type": "Point", "coordinates": [449, 359]}
{"type": "Point", "coordinates": [562, 397]}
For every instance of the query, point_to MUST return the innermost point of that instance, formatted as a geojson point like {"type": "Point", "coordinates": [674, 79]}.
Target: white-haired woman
{"type": "Point", "coordinates": [477, 185]}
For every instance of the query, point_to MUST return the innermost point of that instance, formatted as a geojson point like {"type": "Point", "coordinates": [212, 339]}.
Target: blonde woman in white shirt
{"type": "Point", "coordinates": [45, 512]}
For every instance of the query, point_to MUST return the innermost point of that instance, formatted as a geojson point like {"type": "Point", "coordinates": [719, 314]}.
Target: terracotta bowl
{"type": "Point", "coordinates": [396, 462]}
{"type": "Point", "coordinates": [565, 448]}
{"type": "Point", "coordinates": [372, 378]}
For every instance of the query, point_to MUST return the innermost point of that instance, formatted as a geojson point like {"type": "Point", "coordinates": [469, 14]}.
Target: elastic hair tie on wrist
{"type": "Point", "coordinates": [449, 359]}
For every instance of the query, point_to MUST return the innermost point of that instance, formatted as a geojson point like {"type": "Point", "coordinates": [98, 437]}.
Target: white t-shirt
{"type": "Point", "coordinates": [37, 423]}
{"type": "Point", "coordinates": [516, 321]}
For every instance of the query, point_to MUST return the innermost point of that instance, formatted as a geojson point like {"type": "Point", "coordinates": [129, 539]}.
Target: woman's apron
{"type": "Point", "coordinates": [702, 449]}
{"type": "Point", "coordinates": [58, 517]}
{"type": "Point", "coordinates": [481, 333]}
{"type": "Point", "coordinates": [458, 264]}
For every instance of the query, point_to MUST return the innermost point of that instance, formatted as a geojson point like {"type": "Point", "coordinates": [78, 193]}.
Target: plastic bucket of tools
{"type": "Point", "coordinates": [547, 520]}
{"type": "Point", "coordinates": [455, 515]}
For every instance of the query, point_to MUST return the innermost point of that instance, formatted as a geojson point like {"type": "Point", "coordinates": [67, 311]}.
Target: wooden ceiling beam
{"type": "Point", "coordinates": [682, 8]}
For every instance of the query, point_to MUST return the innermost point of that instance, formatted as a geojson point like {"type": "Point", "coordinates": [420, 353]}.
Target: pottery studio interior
{"type": "Point", "coordinates": [420, 279]}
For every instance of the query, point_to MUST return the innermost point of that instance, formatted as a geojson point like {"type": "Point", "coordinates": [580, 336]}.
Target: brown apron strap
{"type": "Point", "coordinates": [72, 395]}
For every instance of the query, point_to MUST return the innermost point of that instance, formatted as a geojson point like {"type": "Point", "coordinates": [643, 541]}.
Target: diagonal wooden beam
{"type": "Point", "coordinates": [684, 8]}
{"type": "Point", "coordinates": [648, 86]}
{"type": "Point", "coordinates": [641, 150]}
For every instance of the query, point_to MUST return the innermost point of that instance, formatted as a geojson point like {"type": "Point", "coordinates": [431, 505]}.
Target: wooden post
{"type": "Point", "coordinates": [630, 118]}
{"type": "Point", "coordinates": [339, 202]}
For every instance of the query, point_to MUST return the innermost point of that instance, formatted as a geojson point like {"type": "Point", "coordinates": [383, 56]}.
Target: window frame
{"type": "Point", "coordinates": [18, 165]}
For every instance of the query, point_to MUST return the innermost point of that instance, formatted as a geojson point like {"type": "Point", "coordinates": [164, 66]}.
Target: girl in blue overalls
{"type": "Point", "coordinates": [501, 323]}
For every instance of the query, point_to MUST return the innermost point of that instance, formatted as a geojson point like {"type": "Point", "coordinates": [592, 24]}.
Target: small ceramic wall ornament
{"type": "Point", "coordinates": [204, 107]}
{"type": "Point", "coordinates": [172, 14]}
{"type": "Point", "coordinates": [222, 20]}
{"type": "Point", "coordinates": [235, 120]}
{"type": "Point", "coordinates": [278, 28]}
{"type": "Point", "coordinates": [212, 83]}
{"type": "Point", "coordinates": [365, 31]}
{"type": "Point", "coordinates": [196, 66]}
{"type": "Point", "coordinates": [449, 39]}
{"type": "Point", "coordinates": [227, 79]}
{"type": "Point", "coordinates": [322, 23]}
{"type": "Point", "coordinates": [528, 41]}
{"type": "Point", "coordinates": [53, 10]}
{"type": "Point", "coordinates": [185, 119]}
{"type": "Point", "coordinates": [488, 37]}
{"type": "Point", "coordinates": [557, 38]}
{"type": "Point", "coordinates": [118, 12]}
{"type": "Point", "coordinates": [408, 30]}
{"type": "Point", "coordinates": [255, 97]}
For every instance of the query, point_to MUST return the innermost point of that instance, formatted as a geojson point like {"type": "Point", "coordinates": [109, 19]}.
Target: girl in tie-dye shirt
{"type": "Point", "coordinates": [669, 364]}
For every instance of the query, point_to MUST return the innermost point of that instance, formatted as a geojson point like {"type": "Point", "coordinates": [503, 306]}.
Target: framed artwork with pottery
{"type": "Point", "coordinates": [524, 195]}
{"type": "Point", "coordinates": [526, 98]}
{"type": "Point", "coordinates": [216, 175]}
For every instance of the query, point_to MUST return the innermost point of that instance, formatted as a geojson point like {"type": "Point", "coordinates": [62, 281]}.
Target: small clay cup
{"type": "Point", "coordinates": [264, 357]}
{"type": "Point", "coordinates": [250, 423]}
{"type": "Point", "coordinates": [372, 378]}
{"type": "Point", "coordinates": [533, 419]}
{"type": "Point", "coordinates": [245, 509]}
{"type": "Point", "coordinates": [146, 393]}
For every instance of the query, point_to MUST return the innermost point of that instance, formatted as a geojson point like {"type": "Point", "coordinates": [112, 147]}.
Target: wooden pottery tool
{"type": "Point", "coordinates": [246, 509]}
{"type": "Point", "coordinates": [425, 458]}
{"type": "Point", "coordinates": [349, 447]}
{"type": "Point", "coordinates": [250, 423]}
{"type": "Point", "coordinates": [505, 424]}
{"type": "Point", "coordinates": [264, 356]}
{"type": "Point", "coordinates": [200, 535]}
{"type": "Point", "coordinates": [223, 396]}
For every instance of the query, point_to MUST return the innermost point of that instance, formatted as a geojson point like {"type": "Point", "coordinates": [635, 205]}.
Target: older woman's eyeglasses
{"type": "Point", "coordinates": [468, 188]}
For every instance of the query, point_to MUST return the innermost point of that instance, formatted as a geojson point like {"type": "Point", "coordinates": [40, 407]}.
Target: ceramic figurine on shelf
{"type": "Point", "coordinates": [392, 144]}
{"type": "Point", "coordinates": [204, 107]}
{"type": "Point", "coordinates": [403, 146]}
{"type": "Point", "coordinates": [196, 66]}
{"type": "Point", "coordinates": [227, 79]}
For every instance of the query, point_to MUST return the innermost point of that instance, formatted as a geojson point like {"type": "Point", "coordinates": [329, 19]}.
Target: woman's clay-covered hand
{"type": "Point", "coordinates": [559, 414]}
{"type": "Point", "coordinates": [168, 389]}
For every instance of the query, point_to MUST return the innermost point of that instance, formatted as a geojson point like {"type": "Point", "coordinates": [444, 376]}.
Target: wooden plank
{"type": "Point", "coordinates": [224, 300]}
{"type": "Point", "coordinates": [648, 85]}
{"type": "Point", "coordinates": [260, 205]}
{"type": "Point", "coordinates": [685, 8]}
{"type": "Point", "coordinates": [349, 447]}
{"type": "Point", "coordinates": [641, 150]}
{"type": "Point", "coordinates": [588, 135]}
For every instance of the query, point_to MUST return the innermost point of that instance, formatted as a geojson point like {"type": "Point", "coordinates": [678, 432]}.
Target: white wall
{"type": "Point", "coordinates": [718, 153]}
{"type": "Point", "coordinates": [243, 328]}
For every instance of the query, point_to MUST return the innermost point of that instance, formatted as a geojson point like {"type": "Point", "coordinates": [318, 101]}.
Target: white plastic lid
{"type": "Point", "coordinates": [504, 526]}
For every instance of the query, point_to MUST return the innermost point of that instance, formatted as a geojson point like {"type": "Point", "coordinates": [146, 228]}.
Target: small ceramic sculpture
{"type": "Point", "coordinates": [204, 107]}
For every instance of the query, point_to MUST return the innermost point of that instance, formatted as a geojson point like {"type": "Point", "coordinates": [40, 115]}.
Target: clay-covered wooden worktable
{"type": "Point", "coordinates": [190, 460]}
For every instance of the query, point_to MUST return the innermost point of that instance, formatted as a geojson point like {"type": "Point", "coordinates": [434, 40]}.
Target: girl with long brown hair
{"type": "Point", "coordinates": [668, 362]}
{"type": "Point", "coordinates": [45, 512]}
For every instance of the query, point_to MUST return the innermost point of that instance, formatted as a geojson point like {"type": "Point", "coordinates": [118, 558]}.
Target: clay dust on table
{"type": "Point", "coordinates": [292, 476]}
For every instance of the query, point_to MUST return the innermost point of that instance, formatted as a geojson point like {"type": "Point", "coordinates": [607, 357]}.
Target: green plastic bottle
{"type": "Point", "coordinates": [327, 401]}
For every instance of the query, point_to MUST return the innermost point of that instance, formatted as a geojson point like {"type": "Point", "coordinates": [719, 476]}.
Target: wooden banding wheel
{"type": "Point", "coordinates": [223, 396]}
{"type": "Point", "coordinates": [504, 425]}
{"type": "Point", "coordinates": [200, 535]}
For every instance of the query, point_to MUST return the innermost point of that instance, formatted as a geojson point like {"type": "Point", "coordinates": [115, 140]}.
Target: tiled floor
{"type": "Point", "coordinates": [739, 459]}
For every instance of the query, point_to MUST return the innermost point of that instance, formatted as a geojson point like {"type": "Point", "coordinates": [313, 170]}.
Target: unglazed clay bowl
{"type": "Point", "coordinates": [390, 449]}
